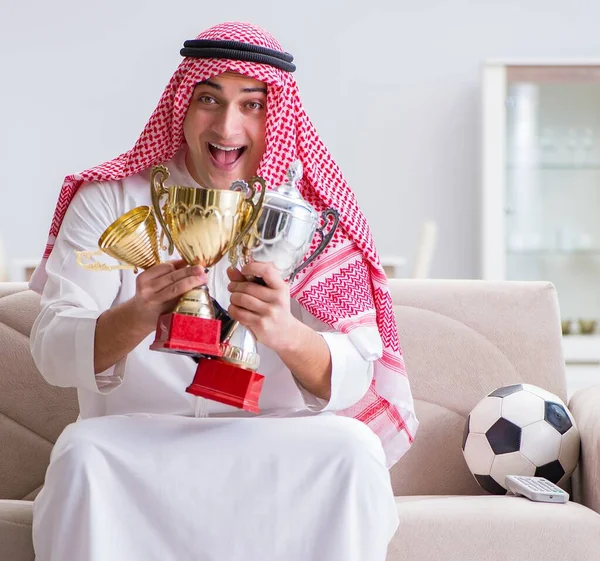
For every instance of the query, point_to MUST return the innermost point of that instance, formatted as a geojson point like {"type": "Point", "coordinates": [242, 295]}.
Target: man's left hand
{"type": "Point", "coordinates": [265, 310]}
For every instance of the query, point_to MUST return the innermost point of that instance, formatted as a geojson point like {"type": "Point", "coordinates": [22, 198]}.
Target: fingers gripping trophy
{"type": "Point", "coordinates": [282, 235]}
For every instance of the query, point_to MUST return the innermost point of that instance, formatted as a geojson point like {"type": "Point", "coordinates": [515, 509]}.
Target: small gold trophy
{"type": "Point", "coordinates": [131, 239]}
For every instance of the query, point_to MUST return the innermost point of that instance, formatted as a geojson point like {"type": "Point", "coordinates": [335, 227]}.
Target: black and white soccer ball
{"type": "Point", "coordinates": [520, 430]}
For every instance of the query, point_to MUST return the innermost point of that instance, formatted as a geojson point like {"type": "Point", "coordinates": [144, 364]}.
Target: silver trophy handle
{"type": "Point", "coordinates": [325, 239]}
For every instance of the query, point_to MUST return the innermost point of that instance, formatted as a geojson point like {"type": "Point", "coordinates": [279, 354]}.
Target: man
{"type": "Point", "coordinates": [154, 473]}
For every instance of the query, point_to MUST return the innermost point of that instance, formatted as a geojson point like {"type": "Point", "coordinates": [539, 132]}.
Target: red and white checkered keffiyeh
{"type": "Point", "coordinates": [345, 287]}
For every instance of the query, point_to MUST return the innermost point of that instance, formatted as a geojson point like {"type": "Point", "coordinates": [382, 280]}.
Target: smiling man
{"type": "Point", "coordinates": [224, 129]}
{"type": "Point", "coordinates": [151, 472]}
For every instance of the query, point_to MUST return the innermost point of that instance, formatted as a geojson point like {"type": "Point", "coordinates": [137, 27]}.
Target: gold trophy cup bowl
{"type": "Point", "coordinates": [203, 224]}
{"type": "Point", "coordinates": [132, 239]}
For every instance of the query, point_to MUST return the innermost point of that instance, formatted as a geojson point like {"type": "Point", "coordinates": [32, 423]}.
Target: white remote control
{"type": "Point", "coordinates": [536, 489]}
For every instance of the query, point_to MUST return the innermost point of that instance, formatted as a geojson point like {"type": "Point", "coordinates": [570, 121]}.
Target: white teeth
{"type": "Point", "coordinates": [225, 148]}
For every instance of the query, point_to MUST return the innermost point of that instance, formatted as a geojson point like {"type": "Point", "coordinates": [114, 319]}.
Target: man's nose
{"type": "Point", "coordinates": [228, 122]}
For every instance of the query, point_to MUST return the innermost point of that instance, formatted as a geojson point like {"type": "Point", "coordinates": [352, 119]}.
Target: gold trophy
{"type": "Point", "coordinates": [131, 239]}
{"type": "Point", "coordinates": [203, 224]}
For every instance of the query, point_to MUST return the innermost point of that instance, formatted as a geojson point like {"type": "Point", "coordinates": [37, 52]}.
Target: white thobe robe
{"type": "Point", "coordinates": [143, 477]}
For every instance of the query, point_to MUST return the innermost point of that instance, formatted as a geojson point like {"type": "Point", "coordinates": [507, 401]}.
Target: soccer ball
{"type": "Point", "coordinates": [520, 430]}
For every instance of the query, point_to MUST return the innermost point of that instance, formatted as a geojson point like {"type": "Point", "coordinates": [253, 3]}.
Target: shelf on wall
{"type": "Point", "coordinates": [581, 348]}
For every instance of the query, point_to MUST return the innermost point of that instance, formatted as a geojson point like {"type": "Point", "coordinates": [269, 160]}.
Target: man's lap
{"type": "Point", "coordinates": [320, 435]}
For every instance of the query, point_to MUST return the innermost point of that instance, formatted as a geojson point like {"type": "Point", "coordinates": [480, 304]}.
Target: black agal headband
{"type": "Point", "coordinates": [235, 50]}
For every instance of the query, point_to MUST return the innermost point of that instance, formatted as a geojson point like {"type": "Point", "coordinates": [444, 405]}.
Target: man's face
{"type": "Point", "coordinates": [224, 128]}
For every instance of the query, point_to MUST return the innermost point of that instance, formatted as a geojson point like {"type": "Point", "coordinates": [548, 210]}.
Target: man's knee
{"type": "Point", "coordinates": [78, 444]}
{"type": "Point", "coordinates": [355, 444]}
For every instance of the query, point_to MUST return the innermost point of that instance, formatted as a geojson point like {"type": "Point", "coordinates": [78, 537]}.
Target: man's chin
{"type": "Point", "coordinates": [223, 183]}
{"type": "Point", "coordinates": [224, 180]}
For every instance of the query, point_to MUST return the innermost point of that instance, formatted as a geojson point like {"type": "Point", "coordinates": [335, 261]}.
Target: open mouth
{"type": "Point", "coordinates": [225, 157]}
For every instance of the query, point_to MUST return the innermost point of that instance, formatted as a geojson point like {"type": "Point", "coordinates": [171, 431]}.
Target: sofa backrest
{"type": "Point", "coordinates": [461, 340]}
{"type": "Point", "coordinates": [32, 413]}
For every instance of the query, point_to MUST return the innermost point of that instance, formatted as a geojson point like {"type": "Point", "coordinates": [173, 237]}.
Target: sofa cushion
{"type": "Point", "coordinates": [32, 413]}
{"type": "Point", "coordinates": [462, 340]}
{"type": "Point", "coordinates": [490, 528]}
{"type": "Point", "coordinates": [435, 462]}
{"type": "Point", "coordinates": [432, 528]}
{"type": "Point", "coordinates": [15, 531]}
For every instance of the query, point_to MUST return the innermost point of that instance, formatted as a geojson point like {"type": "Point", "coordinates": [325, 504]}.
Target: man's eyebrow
{"type": "Point", "coordinates": [219, 88]}
{"type": "Point", "coordinates": [211, 84]}
{"type": "Point", "coordinates": [255, 90]}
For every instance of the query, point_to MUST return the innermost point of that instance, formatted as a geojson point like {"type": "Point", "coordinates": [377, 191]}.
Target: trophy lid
{"type": "Point", "coordinates": [287, 197]}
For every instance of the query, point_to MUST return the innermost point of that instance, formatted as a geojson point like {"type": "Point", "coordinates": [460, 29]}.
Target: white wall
{"type": "Point", "coordinates": [392, 86]}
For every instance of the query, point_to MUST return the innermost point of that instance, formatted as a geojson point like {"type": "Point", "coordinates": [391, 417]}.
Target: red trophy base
{"type": "Point", "coordinates": [228, 384]}
{"type": "Point", "coordinates": [183, 334]}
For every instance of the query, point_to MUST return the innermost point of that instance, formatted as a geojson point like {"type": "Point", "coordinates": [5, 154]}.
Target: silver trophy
{"type": "Point", "coordinates": [282, 235]}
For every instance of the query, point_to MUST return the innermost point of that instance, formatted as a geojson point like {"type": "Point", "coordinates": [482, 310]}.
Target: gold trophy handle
{"type": "Point", "coordinates": [86, 260]}
{"type": "Point", "coordinates": [256, 208]}
{"type": "Point", "coordinates": [158, 176]}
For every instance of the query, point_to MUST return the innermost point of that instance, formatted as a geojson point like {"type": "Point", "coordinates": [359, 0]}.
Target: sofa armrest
{"type": "Point", "coordinates": [584, 406]}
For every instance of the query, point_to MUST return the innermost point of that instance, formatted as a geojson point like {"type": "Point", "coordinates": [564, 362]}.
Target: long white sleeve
{"type": "Point", "coordinates": [352, 358]}
{"type": "Point", "coordinates": [62, 337]}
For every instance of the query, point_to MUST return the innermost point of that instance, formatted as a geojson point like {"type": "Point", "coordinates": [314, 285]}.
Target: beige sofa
{"type": "Point", "coordinates": [461, 340]}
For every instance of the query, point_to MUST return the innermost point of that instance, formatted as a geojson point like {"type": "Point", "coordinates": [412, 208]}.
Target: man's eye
{"type": "Point", "coordinates": [206, 99]}
{"type": "Point", "coordinates": [254, 105]}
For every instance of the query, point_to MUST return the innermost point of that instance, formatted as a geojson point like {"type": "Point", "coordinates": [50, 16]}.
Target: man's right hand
{"type": "Point", "coordinates": [159, 287]}
{"type": "Point", "coordinates": [122, 328]}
